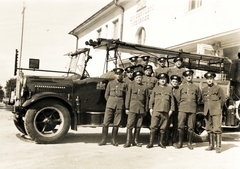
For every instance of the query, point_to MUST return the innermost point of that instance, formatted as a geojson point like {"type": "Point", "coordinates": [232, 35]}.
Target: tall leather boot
{"type": "Point", "coordinates": [211, 141]}
{"type": "Point", "coordinates": [135, 138]}
{"type": "Point", "coordinates": [129, 138]}
{"type": "Point", "coordinates": [190, 138]}
{"type": "Point", "coordinates": [160, 144]}
{"type": "Point", "coordinates": [174, 136]}
{"type": "Point", "coordinates": [104, 136]}
{"type": "Point", "coordinates": [114, 135]}
{"type": "Point", "coordinates": [151, 139]}
{"type": "Point", "coordinates": [168, 132]}
{"type": "Point", "coordinates": [180, 139]}
{"type": "Point", "coordinates": [218, 142]}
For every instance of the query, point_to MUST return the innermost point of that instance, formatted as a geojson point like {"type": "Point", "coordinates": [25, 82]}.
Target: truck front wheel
{"type": "Point", "coordinates": [47, 121]}
{"type": "Point", "coordinates": [19, 123]}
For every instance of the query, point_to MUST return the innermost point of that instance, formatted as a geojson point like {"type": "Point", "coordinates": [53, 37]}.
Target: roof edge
{"type": "Point", "coordinates": [204, 38]}
{"type": "Point", "coordinates": [92, 17]}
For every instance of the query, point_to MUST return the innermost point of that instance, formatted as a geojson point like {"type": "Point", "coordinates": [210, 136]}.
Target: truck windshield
{"type": "Point", "coordinates": [77, 64]}
{"type": "Point", "coordinates": [78, 61]}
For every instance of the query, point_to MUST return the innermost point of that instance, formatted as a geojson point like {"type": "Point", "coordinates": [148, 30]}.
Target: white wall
{"type": "Point", "coordinates": [167, 23]}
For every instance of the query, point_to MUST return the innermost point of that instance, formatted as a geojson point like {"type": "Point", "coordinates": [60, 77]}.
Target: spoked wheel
{"type": "Point", "coordinates": [19, 123]}
{"type": "Point", "coordinates": [200, 123]}
{"type": "Point", "coordinates": [200, 128]}
{"type": "Point", "coordinates": [47, 121]}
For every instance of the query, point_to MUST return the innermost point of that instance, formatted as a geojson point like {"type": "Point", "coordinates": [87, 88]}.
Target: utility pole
{"type": "Point", "coordinates": [20, 57]}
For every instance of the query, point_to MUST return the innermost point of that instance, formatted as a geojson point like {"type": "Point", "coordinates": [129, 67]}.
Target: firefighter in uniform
{"type": "Point", "coordinates": [128, 80]}
{"type": "Point", "coordinates": [172, 126]}
{"type": "Point", "coordinates": [161, 106]}
{"type": "Point", "coordinates": [189, 97]}
{"type": "Point", "coordinates": [136, 108]}
{"type": "Point", "coordinates": [134, 60]}
{"type": "Point", "coordinates": [145, 60]}
{"type": "Point", "coordinates": [115, 95]}
{"type": "Point", "coordinates": [134, 63]}
{"type": "Point", "coordinates": [149, 81]}
{"type": "Point", "coordinates": [213, 99]}
{"type": "Point", "coordinates": [178, 68]}
{"type": "Point", "coordinates": [129, 75]}
{"type": "Point", "coordinates": [162, 68]}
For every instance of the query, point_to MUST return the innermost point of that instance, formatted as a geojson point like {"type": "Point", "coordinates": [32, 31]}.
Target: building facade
{"type": "Point", "coordinates": [196, 26]}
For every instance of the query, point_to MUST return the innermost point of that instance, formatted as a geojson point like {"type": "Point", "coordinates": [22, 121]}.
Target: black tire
{"type": "Point", "coordinates": [47, 121]}
{"type": "Point", "coordinates": [19, 123]}
{"type": "Point", "coordinates": [200, 123]}
{"type": "Point", "coordinates": [200, 133]}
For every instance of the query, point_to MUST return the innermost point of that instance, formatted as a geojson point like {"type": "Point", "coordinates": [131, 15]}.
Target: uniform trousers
{"type": "Point", "coordinates": [173, 119]}
{"type": "Point", "coordinates": [159, 119]}
{"type": "Point", "coordinates": [191, 119]}
{"type": "Point", "coordinates": [134, 120]}
{"type": "Point", "coordinates": [213, 123]}
{"type": "Point", "coordinates": [115, 114]}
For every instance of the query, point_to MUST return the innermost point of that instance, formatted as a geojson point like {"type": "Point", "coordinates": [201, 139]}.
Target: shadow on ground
{"type": "Point", "coordinates": [121, 139]}
{"type": "Point", "coordinates": [96, 138]}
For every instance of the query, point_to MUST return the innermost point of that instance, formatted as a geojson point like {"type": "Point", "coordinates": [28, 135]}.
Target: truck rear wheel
{"type": "Point", "coordinates": [200, 128]}
{"type": "Point", "coordinates": [47, 121]}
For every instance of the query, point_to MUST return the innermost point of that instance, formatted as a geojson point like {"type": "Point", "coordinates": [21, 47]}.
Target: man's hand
{"type": "Point", "coordinates": [170, 113]}
{"type": "Point", "coordinates": [151, 111]}
{"type": "Point", "coordinates": [127, 111]}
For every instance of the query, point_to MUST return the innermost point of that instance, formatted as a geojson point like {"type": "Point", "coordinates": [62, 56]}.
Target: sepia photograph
{"type": "Point", "coordinates": [119, 84]}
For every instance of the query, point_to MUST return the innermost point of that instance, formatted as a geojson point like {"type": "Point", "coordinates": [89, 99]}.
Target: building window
{"type": "Point", "coordinates": [115, 29]}
{"type": "Point", "coordinates": [99, 33]}
{"type": "Point", "coordinates": [193, 4]}
{"type": "Point", "coordinates": [141, 36]}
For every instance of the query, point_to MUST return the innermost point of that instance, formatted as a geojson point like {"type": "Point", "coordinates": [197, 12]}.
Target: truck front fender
{"type": "Point", "coordinates": [44, 95]}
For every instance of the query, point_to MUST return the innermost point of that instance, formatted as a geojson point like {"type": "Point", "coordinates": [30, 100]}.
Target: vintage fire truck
{"type": "Point", "coordinates": [45, 107]}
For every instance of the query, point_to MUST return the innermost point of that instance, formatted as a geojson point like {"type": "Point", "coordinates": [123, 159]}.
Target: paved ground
{"type": "Point", "coordinates": [79, 150]}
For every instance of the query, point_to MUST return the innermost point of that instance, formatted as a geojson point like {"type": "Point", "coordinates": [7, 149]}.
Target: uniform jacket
{"type": "Point", "coordinates": [161, 70]}
{"type": "Point", "coordinates": [175, 95]}
{"type": "Point", "coordinates": [137, 98]}
{"type": "Point", "coordinates": [176, 71]}
{"type": "Point", "coordinates": [162, 99]}
{"type": "Point", "coordinates": [115, 94]}
{"type": "Point", "coordinates": [213, 99]}
{"type": "Point", "coordinates": [127, 81]}
{"type": "Point", "coordinates": [138, 67]}
{"type": "Point", "coordinates": [149, 82]}
{"type": "Point", "coordinates": [189, 96]}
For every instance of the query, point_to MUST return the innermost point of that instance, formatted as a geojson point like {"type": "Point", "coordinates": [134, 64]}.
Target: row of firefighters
{"type": "Point", "coordinates": [169, 96]}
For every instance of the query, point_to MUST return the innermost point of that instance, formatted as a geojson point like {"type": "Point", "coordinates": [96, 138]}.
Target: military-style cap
{"type": "Point", "coordinates": [161, 59]}
{"type": "Point", "coordinates": [133, 59]}
{"type": "Point", "coordinates": [162, 75]}
{"type": "Point", "coordinates": [145, 58]}
{"type": "Point", "coordinates": [148, 67]}
{"type": "Point", "coordinates": [137, 73]}
{"type": "Point", "coordinates": [139, 65]}
{"type": "Point", "coordinates": [129, 69]}
{"type": "Point", "coordinates": [209, 74]}
{"type": "Point", "coordinates": [118, 70]}
{"type": "Point", "coordinates": [175, 77]}
{"type": "Point", "coordinates": [177, 59]}
{"type": "Point", "coordinates": [188, 73]}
